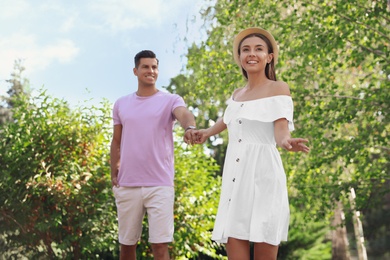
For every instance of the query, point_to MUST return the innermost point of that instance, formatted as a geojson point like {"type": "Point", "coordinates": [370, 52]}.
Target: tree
{"type": "Point", "coordinates": [335, 57]}
{"type": "Point", "coordinates": [19, 86]}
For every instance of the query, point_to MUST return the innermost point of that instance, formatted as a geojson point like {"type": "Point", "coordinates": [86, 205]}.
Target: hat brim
{"type": "Point", "coordinates": [241, 35]}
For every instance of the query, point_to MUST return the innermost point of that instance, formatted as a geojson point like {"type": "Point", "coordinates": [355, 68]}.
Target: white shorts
{"type": "Point", "coordinates": [133, 202]}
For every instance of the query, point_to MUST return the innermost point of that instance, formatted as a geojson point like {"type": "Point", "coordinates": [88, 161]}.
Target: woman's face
{"type": "Point", "coordinates": [254, 54]}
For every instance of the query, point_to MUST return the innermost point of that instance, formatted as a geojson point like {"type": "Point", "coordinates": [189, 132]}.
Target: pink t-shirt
{"type": "Point", "coordinates": [146, 152]}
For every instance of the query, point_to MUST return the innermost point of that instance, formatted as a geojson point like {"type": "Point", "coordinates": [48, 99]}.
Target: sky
{"type": "Point", "coordinates": [83, 51]}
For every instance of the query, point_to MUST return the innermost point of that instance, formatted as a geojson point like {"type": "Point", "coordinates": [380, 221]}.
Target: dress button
{"type": "Point", "coordinates": [240, 122]}
{"type": "Point", "coordinates": [240, 140]}
{"type": "Point", "coordinates": [242, 105]}
{"type": "Point", "coordinates": [238, 159]}
{"type": "Point", "coordinates": [234, 179]}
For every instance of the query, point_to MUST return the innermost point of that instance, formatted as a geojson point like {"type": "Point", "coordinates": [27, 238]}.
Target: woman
{"type": "Point", "coordinates": [253, 205]}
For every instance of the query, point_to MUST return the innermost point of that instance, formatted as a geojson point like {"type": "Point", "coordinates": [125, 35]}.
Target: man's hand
{"type": "Point", "coordinates": [114, 180]}
{"type": "Point", "coordinates": [189, 136]}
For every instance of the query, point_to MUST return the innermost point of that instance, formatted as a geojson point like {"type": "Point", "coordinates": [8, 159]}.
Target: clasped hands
{"type": "Point", "coordinates": [195, 136]}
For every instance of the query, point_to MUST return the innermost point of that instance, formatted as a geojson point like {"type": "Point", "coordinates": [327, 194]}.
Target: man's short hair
{"type": "Point", "coordinates": [143, 54]}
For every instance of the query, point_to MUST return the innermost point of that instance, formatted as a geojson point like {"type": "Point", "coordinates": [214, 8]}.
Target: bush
{"type": "Point", "coordinates": [56, 199]}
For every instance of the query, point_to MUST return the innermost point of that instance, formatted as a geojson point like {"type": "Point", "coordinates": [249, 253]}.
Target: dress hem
{"type": "Point", "coordinates": [224, 240]}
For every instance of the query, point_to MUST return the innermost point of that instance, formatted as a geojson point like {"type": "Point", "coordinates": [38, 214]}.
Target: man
{"type": "Point", "coordinates": [142, 165]}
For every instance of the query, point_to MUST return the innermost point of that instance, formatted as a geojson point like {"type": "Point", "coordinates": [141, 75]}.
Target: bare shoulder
{"type": "Point", "coordinates": [280, 88]}
{"type": "Point", "coordinates": [236, 91]}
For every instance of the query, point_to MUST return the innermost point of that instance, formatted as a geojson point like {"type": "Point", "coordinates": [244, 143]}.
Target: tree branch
{"type": "Point", "coordinates": [377, 52]}
{"type": "Point", "coordinates": [14, 220]}
{"type": "Point", "coordinates": [368, 10]}
{"type": "Point", "coordinates": [338, 96]}
{"type": "Point", "coordinates": [366, 27]}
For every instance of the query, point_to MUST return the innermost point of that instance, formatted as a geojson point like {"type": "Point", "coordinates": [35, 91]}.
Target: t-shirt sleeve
{"type": "Point", "coordinates": [178, 101]}
{"type": "Point", "coordinates": [115, 114]}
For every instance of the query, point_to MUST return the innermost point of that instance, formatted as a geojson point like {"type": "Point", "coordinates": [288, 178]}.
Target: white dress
{"type": "Point", "coordinates": [254, 202]}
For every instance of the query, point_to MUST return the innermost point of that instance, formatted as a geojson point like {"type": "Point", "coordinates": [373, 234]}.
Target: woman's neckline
{"type": "Point", "coordinates": [241, 101]}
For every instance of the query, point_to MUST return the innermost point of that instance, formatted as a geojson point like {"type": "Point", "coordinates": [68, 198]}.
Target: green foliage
{"type": "Point", "coordinates": [307, 239]}
{"type": "Point", "coordinates": [197, 195]}
{"type": "Point", "coordinates": [19, 86]}
{"type": "Point", "coordinates": [55, 198]}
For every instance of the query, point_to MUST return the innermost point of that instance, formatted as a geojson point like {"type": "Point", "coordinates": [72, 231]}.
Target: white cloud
{"type": "Point", "coordinates": [13, 8]}
{"type": "Point", "coordinates": [64, 50]}
{"type": "Point", "coordinates": [35, 57]}
{"type": "Point", "coordinates": [122, 15]}
{"type": "Point", "coordinates": [68, 24]}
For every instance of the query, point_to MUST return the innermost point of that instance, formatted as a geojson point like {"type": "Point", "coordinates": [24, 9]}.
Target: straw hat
{"type": "Point", "coordinates": [241, 35]}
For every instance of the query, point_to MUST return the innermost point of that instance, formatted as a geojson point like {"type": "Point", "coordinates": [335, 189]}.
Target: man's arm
{"type": "Point", "coordinates": [187, 121]}
{"type": "Point", "coordinates": [115, 154]}
{"type": "Point", "coordinates": [184, 116]}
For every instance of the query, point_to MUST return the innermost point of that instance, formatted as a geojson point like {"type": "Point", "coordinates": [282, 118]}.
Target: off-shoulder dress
{"type": "Point", "coordinates": [254, 202]}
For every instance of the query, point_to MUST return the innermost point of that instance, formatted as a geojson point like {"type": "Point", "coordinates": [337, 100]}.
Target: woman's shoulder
{"type": "Point", "coordinates": [236, 91]}
{"type": "Point", "coordinates": [278, 88]}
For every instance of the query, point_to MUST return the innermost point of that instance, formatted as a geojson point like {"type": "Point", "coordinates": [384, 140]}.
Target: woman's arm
{"type": "Point", "coordinates": [202, 135]}
{"type": "Point", "coordinates": [283, 138]}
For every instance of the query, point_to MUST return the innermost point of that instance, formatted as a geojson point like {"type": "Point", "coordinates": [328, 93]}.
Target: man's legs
{"type": "Point", "coordinates": [131, 212]}
{"type": "Point", "coordinates": [160, 251]}
{"type": "Point", "coordinates": [128, 252]}
{"type": "Point", "coordinates": [159, 203]}
{"type": "Point", "coordinates": [159, 207]}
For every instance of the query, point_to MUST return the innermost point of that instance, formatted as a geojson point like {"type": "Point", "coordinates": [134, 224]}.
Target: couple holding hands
{"type": "Point", "coordinates": [253, 206]}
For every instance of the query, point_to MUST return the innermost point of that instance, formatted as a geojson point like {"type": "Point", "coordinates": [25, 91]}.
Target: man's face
{"type": "Point", "coordinates": [147, 71]}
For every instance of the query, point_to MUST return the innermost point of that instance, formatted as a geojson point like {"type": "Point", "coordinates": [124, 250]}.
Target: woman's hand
{"type": "Point", "coordinates": [295, 145]}
{"type": "Point", "coordinates": [195, 136]}
{"type": "Point", "coordinates": [200, 136]}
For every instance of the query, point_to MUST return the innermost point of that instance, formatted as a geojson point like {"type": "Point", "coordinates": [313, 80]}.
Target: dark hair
{"type": "Point", "coordinates": [144, 54]}
{"type": "Point", "coordinates": [270, 67]}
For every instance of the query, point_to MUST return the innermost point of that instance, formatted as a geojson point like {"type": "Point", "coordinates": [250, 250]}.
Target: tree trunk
{"type": "Point", "coordinates": [339, 236]}
{"type": "Point", "coordinates": [358, 228]}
